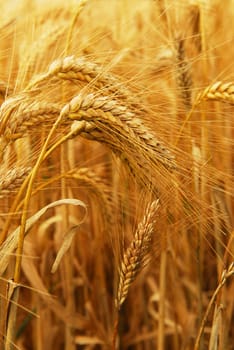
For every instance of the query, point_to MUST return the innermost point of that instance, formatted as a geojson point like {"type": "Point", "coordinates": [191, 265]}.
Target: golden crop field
{"type": "Point", "coordinates": [116, 175]}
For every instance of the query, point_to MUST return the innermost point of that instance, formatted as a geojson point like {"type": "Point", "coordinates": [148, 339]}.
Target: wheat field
{"type": "Point", "coordinates": [116, 175]}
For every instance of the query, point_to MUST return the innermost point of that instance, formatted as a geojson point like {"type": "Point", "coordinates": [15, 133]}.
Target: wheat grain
{"type": "Point", "coordinates": [137, 254]}
{"type": "Point", "coordinates": [20, 116]}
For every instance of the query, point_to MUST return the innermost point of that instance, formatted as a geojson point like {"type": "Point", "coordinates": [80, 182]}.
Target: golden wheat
{"type": "Point", "coordinates": [106, 121]}
{"type": "Point", "coordinates": [29, 117]}
{"type": "Point", "coordinates": [12, 179]}
{"type": "Point", "coordinates": [137, 254]}
{"type": "Point", "coordinates": [183, 73]}
{"type": "Point", "coordinates": [96, 109]}
{"type": "Point", "coordinates": [124, 77]}
{"type": "Point", "coordinates": [80, 69]}
{"type": "Point", "coordinates": [218, 91]}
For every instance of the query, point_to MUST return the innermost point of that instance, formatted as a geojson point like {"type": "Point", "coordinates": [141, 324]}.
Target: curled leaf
{"type": "Point", "coordinates": [67, 241]}
{"type": "Point", "coordinates": [10, 244]}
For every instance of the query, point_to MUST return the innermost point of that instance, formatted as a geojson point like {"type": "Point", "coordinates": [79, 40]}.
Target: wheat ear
{"type": "Point", "coordinates": [183, 74]}
{"type": "Point", "coordinates": [106, 121]}
{"type": "Point", "coordinates": [30, 116]}
{"type": "Point", "coordinates": [103, 113]}
{"type": "Point", "coordinates": [12, 179]}
{"type": "Point", "coordinates": [80, 69]}
{"type": "Point", "coordinates": [137, 254]}
{"type": "Point", "coordinates": [8, 115]}
{"type": "Point", "coordinates": [218, 91]}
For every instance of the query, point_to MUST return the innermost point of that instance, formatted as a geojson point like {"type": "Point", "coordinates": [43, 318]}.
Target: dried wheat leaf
{"type": "Point", "coordinates": [67, 241]}
{"type": "Point", "coordinates": [11, 242]}
{"type": "Point", "coordinates": [53, 304]}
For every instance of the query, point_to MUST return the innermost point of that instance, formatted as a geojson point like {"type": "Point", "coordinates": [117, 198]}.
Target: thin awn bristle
{"type": "Point", "coordinates": [137, 254]}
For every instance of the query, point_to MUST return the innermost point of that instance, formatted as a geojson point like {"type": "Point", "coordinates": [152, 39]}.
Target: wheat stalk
{"type": "Point", "coordinates": [137, 254]}
{"type": "Point", "coordinates": [226, 274]}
